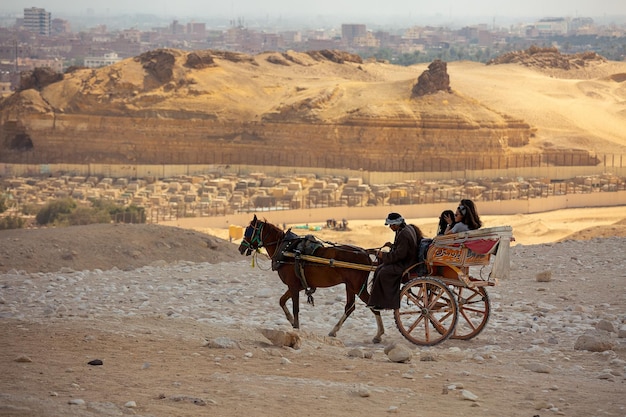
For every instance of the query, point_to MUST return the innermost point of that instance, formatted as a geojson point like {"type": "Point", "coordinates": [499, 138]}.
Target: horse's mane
{"type": "Point", "coordinates": [275, 228]}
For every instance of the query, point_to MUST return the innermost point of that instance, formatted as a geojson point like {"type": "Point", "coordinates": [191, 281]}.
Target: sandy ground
{"type": "Point", "coordinates": [528, 229]}
{"type": "Point", "coordinates": [184, 338]}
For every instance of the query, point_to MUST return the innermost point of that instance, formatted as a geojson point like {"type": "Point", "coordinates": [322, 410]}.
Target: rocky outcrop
{"type": "Point", "coordinates": [434, 79]}
{"type": "Point", "coordinates": [199, 60]}
{"type": "Point", "coordinates": [38, 78]}
{"type": "Point", "coordinates": [548, 57]}
{"type": "Point", "coordinates": [339, 57]}
{"type": "Point", "coordinates": [159, 64]}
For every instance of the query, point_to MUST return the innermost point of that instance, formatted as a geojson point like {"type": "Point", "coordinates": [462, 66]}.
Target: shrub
{"type": "Point", "coordinates": [130, 214]}
{"type": "Point", "coordinates": [66, 212]}
{"type": "Point", "coordinates": [55, 211]}
{"type": "Point", "coordinates": [30, 209]}
{"type": "Point", "coordinates": [11, 222]}
{"type": "Point", "coordinates": [3, 204]}
{"type": "Point", "coordinates": [121, 214]}
{"type": "Point", "coordinates": [87, 215]}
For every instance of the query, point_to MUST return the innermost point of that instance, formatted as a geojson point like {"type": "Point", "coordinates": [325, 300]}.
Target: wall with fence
{"type": "Point", "coordinates": [196, 152]}
{"type": "Point", "coordinates": [614, 164]}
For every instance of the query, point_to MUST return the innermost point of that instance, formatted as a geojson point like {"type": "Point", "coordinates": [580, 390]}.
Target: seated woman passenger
{"type": "Point", "coordinates": [446, 217]}
{"type": "Point", "coordinates": [465, 218]}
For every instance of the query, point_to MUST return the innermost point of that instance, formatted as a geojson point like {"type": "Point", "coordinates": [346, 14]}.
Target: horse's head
{"type": "Point", "coordinates": [252, 239]}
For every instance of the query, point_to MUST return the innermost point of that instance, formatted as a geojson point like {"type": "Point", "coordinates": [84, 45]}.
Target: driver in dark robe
{"type": "Point", "coordinates": [385, 292]}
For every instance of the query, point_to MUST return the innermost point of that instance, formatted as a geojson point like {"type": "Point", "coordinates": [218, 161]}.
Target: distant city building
{"type": "Point", "coordinates": [551, 26]}
{"type": "Point", "coordinates": [195, 28]}
{"type": "Point", "coordinates": [29, 64]}
{"type": "Point", "coordinates": [351, 32]}
{"type": "Point", "coordinates": [101, 61]}
{"type": "Point", "coordinates": [60, 26]}
{"type": "Point", "coordinates": [5, 89]}
{"type": "Point", "coordinates": [37, 21]}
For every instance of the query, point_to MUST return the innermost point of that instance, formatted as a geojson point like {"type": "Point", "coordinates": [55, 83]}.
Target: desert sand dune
{"type": "Point", "coordinates": [585, 111]}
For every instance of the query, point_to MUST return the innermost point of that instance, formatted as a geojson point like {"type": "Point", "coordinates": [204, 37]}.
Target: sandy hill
{"type": "Point", "coordinates": [330, 98]}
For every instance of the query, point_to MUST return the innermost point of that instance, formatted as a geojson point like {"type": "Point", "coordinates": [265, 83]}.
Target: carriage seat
{"type": "Point", "coordinates": [419, 268]}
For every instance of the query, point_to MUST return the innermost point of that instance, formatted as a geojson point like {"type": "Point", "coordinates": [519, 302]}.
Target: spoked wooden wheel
{"type": "Point", "coordinates": [474, 311]}
{"type": "Point", "coordinates": [428, 311]}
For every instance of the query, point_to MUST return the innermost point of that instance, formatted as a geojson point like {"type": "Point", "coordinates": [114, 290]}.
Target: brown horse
{"type": "Point", "coordinates": [301, 275]}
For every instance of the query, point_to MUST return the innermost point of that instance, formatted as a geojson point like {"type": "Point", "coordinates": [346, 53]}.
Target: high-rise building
{"type": "Point", "coordinates": [351, 32]}
{"type": "Point", "coordinates": [37, 20]}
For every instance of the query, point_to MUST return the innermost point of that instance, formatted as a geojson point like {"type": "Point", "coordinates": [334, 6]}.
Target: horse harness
{"type": "Point", "coordinates": [290, 243]}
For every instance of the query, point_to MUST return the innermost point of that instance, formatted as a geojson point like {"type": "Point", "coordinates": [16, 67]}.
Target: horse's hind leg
{"type": "Point", "coordinates": [380, 328]}
{"type": "Point", "coordinates": [283, 304]}
{"type": "Point", "coordinates": [293, 319]}
{"type": "Point", "coordinates": [295, 307]}
{"type": "Point", "coordinates": [335, 329]}
{"type": "Point", "coordinates": [379, 325]}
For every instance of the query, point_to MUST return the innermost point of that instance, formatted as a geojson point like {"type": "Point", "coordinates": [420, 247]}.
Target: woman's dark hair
{"type": "Point", "coordinates": [470, 215]}
{"type": "Point", "coordinates": [442, 221]}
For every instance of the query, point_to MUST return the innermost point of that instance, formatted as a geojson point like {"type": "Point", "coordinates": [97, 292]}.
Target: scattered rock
{"type": "Point", "coordinates": [364, 392]}
{"type": "Point", "coordinates": [186, 398]}
{"type": "Point", "coordinates": [540, 368]}
{"type": "Point", "coordinates": [76, 401]}
{"type": "Point", "coordinates": [545, 276]}
{"type": "Point", "coordinates": [398, 353]}
{"type": "Point", "coordinates": [468, 395]}
{"type": "Point", "coordinates": [221, 343]}
{"type": "Point", "coordinates": [356, 353]}
{"type": "Point", "coordinates": [282, 338]}
{"type": "Point", "coordinates": [595, 341]}
{"type": "Point", "coordinates": [606, 326]}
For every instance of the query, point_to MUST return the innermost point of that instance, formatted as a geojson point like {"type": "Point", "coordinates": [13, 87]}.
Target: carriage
{"type": "Point", "coordinates": [443, 296]}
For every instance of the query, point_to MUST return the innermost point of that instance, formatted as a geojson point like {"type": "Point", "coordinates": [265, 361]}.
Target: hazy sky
{"type": "Point", "coordinates": [371, 8]}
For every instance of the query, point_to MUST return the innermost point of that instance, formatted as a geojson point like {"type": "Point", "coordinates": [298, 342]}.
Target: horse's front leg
{"type": "Point", "coordinates": [348, 309]}
{"type": "Point", "coordinates": [283, 304]}
{"type": "Point", "coordinates": [295, 307]}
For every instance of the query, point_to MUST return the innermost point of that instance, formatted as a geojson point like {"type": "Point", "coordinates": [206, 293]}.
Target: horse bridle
{"type": "Point", "coordinates": [254, 234]}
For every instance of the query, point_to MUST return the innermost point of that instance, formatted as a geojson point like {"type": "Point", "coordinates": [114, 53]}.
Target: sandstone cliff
{"type": "Point", "coordinates": [323, 108]}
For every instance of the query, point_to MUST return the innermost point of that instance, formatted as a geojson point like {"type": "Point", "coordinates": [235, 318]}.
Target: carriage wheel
{"type": "Point", "coordinates": [474, 311]}
{"type": "Point", "coordinates": [428, 311]}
